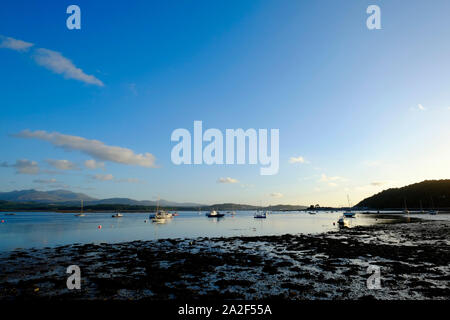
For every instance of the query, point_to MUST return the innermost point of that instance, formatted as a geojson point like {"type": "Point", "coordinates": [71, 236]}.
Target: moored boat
{"type": "Point", "coordinates": [349, 213]}
{"type": "Point", "coordinates": [260, 215]}
{"type": "Point", "coordinates": [215, 214]}
{"type": "Point", "coordinates": [117, 215]}
{"type": "Point", "coordinates": [161, 216]}
{"type": "Point", "coordinates": [81, 214]}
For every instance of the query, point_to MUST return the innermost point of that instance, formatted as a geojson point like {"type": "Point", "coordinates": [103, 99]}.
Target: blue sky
{"type": "Point", "coordinates": [365, 109]}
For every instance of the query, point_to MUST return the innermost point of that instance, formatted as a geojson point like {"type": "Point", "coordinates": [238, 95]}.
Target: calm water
{"type": "Point", "coordinates": [48, 229]}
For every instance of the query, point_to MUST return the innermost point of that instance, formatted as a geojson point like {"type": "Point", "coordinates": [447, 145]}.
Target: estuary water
{"type": "Point", "coordinates": [49, 229]}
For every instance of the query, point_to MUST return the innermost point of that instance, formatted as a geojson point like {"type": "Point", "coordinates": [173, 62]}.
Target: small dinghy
{"type": "Point", "coordinates": [343, 222]}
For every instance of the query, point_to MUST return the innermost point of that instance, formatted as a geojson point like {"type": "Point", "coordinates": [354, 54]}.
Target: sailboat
{"type": "Point", "coordinates": [406, 211]}
{"type": "Point", "coordinates": [161, 215]}
{"type": "Point", "coordinates": [349, 213]}
{"type": "Point", "coordinates": [81, 214]}
{"type": "Point", "coordinates": [432, 211]}
{"type": "Point", "coordinates": [421, 208]}
{"type": "Point", "coordinates": [233, 212]}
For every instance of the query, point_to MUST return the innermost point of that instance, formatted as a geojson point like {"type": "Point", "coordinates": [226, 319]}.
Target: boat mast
{"type": "Point", "coordinates": [82, 206]}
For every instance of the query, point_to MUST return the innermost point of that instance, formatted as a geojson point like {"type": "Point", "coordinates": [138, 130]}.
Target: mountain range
{"type": "Point", "coordinates": [68, 197]}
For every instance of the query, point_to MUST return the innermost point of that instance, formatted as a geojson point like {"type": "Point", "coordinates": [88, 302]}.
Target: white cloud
{"type": "Point", "coordinates": [93, 148]}
{"type": "Point", "coordinates": [23, 166]}
{"type": "Point", "coordinates": [62, 164]}
{"type": "Point", "coordinates": [377, 183]}
{"type": "Point", "coordinates": [276, 195]}
{"type": "Point", "coordinates": [299, 159]}
{"type": "Point", "coordinates": [59, 64]}
{"type": "Point", "coordinates": [330, 181]}
{"type": "Point", "coordinates": [227, 180]}
{"type": "Point", "coordinates": [45, 181]}
{"type": "Point", "coordinates": [325, 178]}
{"type": "Point", "coordinates": [92, 164]}
{"type": "Point", "coordinates": [103, 177]}
{"type": "Point", "coordinates": [14, 44]}
{"type": "Point", "coordinates": [51, 60]}
{"type": "Point", "coordinates": [421, 107]}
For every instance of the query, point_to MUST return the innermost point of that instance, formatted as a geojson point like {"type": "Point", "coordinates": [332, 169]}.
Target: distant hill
{"type": "Point", "coordinates": [66, 200]}
{"type": "Point", "coordinates": [70, 198]}
{"type": "Point", "coordinates": [44, 196]}
{"type": "Point", "coordinates": [428, 192]}
{"type": "Point", "coordinates": [131, 202]}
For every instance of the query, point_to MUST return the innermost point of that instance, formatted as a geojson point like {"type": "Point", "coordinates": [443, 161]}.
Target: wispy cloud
{"type": "Point", "coordinates": [227, 180]}
{"type": "Point", "coordinates": [377, 183]}
{"type": "Point", "coordinates": [421, 107]}
{"type": "Point", "coordinates": [372, 163]}
{"type": "Point", "coordinates": [51, 60]}
{"type": "Point", "coordinates": [331, 181]}
{"type": "Point", "coordinates": [92, 164]}
{"type": "Point", "coordinates": [23, 166]}
{"type": "Point", "coordinates": [110, 177]}
{"type": "Point", "coordinates": [14, 44]}
{"type": "Point", "coordinates": [128, 180]}
{"type": "Point", "coordinates": [103, 177]}
{"type": "Point", "coordinates": [325, 178]}
{"type": "Point", "coordinates": [93, 148]}
{"type": "Point", "coordinates": [299, 159]}
{"type": "Point", "coordinates": [133, 89]}
{"type": "Point", "coordinates": [59, 64]}
{"type": "Point", "coordinates": [276, 195]}
{"type": "Point", "coordinates": [43, 181]}
{"type": "Point", "coordinates": [62, 164]}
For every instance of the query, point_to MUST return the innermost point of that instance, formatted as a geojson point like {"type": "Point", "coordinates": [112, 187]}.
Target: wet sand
{"type": "Point", "coordinates": [414, 262]}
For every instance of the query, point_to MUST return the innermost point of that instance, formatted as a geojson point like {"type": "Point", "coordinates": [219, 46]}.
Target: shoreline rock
{"type": "Point", "coordinates": [414, 263]}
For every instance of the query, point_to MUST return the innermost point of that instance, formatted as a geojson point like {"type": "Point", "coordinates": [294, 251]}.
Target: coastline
{"type": "Point", "coordinates": [414, 263]}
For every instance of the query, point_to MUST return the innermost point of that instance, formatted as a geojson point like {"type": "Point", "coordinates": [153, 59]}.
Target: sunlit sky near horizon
{"type": "Point", "coordinates": [358, 110]}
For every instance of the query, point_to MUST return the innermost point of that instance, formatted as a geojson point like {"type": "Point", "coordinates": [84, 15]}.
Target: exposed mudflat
{"type": "Point", "coordinates": [414, 259]}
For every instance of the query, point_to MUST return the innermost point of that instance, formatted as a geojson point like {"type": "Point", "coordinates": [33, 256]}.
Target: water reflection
{"type": "Point", "coordinates": [39, 229]}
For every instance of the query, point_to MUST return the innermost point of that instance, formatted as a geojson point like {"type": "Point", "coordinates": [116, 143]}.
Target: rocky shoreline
{"type": "Point", "coordinates": [414, 263]}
